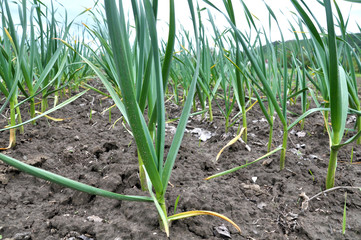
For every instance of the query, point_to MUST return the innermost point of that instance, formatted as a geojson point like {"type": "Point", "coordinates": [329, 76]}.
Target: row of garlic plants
{"type": "Point", "coordinates": [35, 65]}
{"type": "Point", "coordinates": [231, 67]}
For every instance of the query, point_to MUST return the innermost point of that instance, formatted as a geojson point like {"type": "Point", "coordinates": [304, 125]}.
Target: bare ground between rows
{"type": "Point", "coordinates": [95, 152]}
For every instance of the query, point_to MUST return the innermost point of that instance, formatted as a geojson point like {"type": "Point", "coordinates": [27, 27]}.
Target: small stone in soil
{"type": "Point", "coordinates": [94, 218]}
{"type": "Point", "coordinates": [301, 134]}
{"type": "Point", "coordinates": [267, 162]}
{"type": "Point", "coordinates": [298, 146]}
{"type": "Point", "coordinates": [22, 236]}
{"type": "Point", "coordinates": [4, 179]}
{"type": "Point", "coordinates": [83, 237]}
{"type": "Point", "coordinates": [313, 156]}
{"type": "Point", "coordinates": [261, 205]}
{"type": "Point", "coordinates": [221, 231]}
{"type": "Point", "coordinates": [253, 187]}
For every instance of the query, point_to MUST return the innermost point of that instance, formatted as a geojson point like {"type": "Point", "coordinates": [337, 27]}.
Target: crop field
{"type": "Point", "coordinates": [126, 131]}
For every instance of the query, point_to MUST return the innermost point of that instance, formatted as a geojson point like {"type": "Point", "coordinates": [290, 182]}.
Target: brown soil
{"type": "Point", "coordinates": [94, 152]}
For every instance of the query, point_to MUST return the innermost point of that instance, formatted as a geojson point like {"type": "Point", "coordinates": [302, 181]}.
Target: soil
{"type": "Point", "coordinates": [264, 201]}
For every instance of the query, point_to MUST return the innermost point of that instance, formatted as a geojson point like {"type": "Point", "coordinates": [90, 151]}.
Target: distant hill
{"type": "Point", "coordinates": [354, 39]}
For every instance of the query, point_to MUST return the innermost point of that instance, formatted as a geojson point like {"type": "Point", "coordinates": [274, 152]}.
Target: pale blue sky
{"type": "Point", "coordinates": [282, 9]}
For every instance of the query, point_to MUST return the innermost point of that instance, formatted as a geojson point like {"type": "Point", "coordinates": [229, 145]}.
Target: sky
{"type": "Point", "coordinates": [282, 8]}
